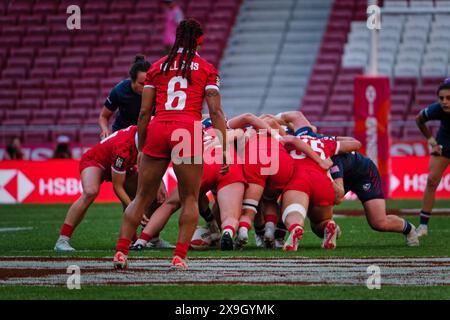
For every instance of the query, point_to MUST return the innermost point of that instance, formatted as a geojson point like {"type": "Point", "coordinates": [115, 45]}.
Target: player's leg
{"type": "Point", "coordinates": [250, 203]}
{"type": "Point", "coordinates": [322, 224]}
{"type": "Point", "coordinates": [375, 210]}
{"type": "Point", "coordinates": [294, 208]}
{"type": "Point", "coordinates": [158, 220]}
{"type": "Point", "coordinates": [437, 167]}
{"type": "Point", "coordinates": [271, 214]}
{"type": "Point", "coordinates": [229, 199]}
{"type": "Point", "coordinates": [259, 225]}
{"type": "Point", "coordinates": [207, 214]}
{"type": "Point", "coordinates": [151, 171]}
{"type": "Point", "coordinates": [91, 179]}
{"type": "Point", "coordinates": [189, 178]}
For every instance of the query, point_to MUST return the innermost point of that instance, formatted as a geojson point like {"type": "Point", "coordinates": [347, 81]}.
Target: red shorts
{"type": "Point", "coordinates": [274, 174]}
{"type": "Point", "coordinates": [316, 184]}
{"type": "Point", "coordinates": [212, 179]}
{"type": "Point", "coordinates": [182, 138]}
{"type": "Point", "coordinates": [87, 162]}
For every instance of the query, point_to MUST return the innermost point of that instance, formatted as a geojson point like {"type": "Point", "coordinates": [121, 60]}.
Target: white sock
{"type": "Point", "coordinates": [141, 242]}
{"type": "Point", "coordinates": [270, 228]}
{"type": "Point", "coordinates": [64, 238]}
{"type": "Point", "coordinates": [230, 231]}
{"type": "Point", "coordinates": [243, 233]}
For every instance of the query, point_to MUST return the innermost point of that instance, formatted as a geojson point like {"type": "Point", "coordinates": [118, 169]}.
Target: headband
{"type": "Point", "coordinates": [200, 40]}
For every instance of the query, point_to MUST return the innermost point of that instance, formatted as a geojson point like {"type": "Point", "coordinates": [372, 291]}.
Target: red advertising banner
{"type": "Point", "coordinates": [409, 178]}
{"type": "Point", "coordinates": [45, 152]}
{"type": "Point", "coordinates": [371, 115]}
{"type": "Point", "coordinates": [51, 181]}
{"type": "Point", "coordinates": [58, 181]}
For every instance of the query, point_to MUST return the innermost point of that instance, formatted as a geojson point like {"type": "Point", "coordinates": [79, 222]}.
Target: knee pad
{"type": "Point", "coordinates": [295, 207]}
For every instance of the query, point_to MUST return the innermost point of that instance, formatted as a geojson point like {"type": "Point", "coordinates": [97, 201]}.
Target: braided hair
{"type": "Point", "coordinates": [188, 31]}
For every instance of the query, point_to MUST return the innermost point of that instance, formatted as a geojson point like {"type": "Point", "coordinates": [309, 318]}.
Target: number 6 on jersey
{"type": "Point", "coordinates": [172, 94]}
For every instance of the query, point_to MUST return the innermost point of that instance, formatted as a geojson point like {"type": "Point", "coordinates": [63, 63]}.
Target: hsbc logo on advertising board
{"type": "Point", "coordinates": [14, 186]}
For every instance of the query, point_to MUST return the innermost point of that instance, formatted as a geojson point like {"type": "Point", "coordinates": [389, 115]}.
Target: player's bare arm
{"type": "Point", "coordinates": [349, 146]}
{"type": "Point", "coordinates": [148, 99]}
{"type": "Point", "coordinates": [218, 119]}
{"type": "Point", "coordinates": [118, 180]}
{"type": "Point", "coordinates": [103, 122]}
{"type": "Point", "coordinates": [338, 186]}
{"type": "Point", "coordinates": [436, 149]}
{"type": "Point", "coordinates": [246, 119]}
{"type": "Point", "coordinates": [296, 118]}
{"type": "Point", "coordinates": [301, 146]}
{"type": "Point", "coordinates": [274, 123]}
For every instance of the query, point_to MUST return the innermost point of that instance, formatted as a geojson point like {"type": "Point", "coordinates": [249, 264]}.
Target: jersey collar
{"type": "Point", "coordinates": [180, 50]}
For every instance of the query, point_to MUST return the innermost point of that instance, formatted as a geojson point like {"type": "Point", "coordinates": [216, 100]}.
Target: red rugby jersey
{"type": "Point", "coordinates": [118, 151]}
{"type": "Point", "coordinates": [324, 148]}
{"type": "Point", "coordinates": [176, 99]}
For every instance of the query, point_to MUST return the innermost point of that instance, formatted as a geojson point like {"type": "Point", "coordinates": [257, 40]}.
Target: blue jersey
{"type": "Point", "coordinates": [435, 112]}
{"type": "Point", "coordinates": [360, 175]}
{"type": "Point", "coordinates": [128, 102]}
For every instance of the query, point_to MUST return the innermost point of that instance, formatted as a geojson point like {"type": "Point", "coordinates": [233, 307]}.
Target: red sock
{"type": "Point", "coordinates": [293, 227]}
{"type": "Point", "coordinates": [67, 230]}
{"type": "Point", "coordinates": [123, 245]}
{"type": "Point", "coordinates": [145, 236]}
{"type": "Point", "coordinates": [181, 250]}
{"type": "Point", "coordinates": [233, 231]}
{"type": "Point", "coordinates": [271, 218]}
{"type": "Point", "coordinates": [245, 225]}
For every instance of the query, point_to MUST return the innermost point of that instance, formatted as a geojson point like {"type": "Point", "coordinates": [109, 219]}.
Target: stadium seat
{"type": "Point", "coordinates": [46, 62]}
{"type": "Point", "coordinates": [72, 133]}
{"type": "Point", "coordinates": [82, 103]}
{"type": "Point", "coordinates": [55, 103]}
{"type": "Point", "coordinates": [45, 7]}
{"type": "Point", "coordinates": [42, 73]}
{"type": "Point", "coordinates": [59, 93]}
{"type": "Point", "coordinates": [36, 136]}
{"type": "Point", "coordinates": [51, 52]}
{"type": "Point", "coordinates": [7, 134]}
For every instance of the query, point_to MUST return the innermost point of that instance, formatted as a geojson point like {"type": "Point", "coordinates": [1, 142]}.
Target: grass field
{"type": "Point", "coordinates": [97, 235]}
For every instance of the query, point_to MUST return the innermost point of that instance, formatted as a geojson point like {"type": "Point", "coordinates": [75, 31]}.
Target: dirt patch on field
{"type": "Point", "coordinates": [298, 271]}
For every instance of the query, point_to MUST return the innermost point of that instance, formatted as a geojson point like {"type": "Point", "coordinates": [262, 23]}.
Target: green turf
{"type": "Point", "coordinates": [97, 235]}
{"type": "Point", "coordinates": [223, 292]}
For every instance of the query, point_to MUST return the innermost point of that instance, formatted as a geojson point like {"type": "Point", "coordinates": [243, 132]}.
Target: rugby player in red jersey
{"type": "Point", "coordinates": [229, 190]}
{"type": "Point", "coordinates": [177, 84]}
{"type": "Point", "coordinates": [311, 185]}
{"type": "Point", "coordinates": [113, 159]}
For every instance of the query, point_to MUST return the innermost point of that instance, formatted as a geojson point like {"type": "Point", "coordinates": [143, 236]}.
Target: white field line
{"type": "Point", "coordinates": [395, 271]}
{"type": "Point", "coordinates": [15, 229]}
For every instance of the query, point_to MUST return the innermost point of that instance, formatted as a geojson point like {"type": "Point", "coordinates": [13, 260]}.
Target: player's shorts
{"type": "Point", "coordinates": [367, 187]}
{"type": "Point", "coordinates": [274, 174]}
{"type": "Point", "coordinates": [213, 180]}
{"type": "Point", "coordinates": [87, 162]}
{"type": "Point", "coordinates": [316, 184]}
{"type": "Point", "coordinates": [181, 138]}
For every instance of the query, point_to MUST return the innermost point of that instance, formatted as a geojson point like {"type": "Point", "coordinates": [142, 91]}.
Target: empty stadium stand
{"type": "Point", "coordinates": [270, 54]}
{"type": "Point", "coordinates": [413, 51]}
{"type": "Point", "coordinates": [55, 81]}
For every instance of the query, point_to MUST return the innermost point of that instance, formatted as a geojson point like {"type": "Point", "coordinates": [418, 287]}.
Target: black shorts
{"type": "Point", "coordinates": [368, 186]}
{"type": "Point", "coordinates": [446, 152]}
